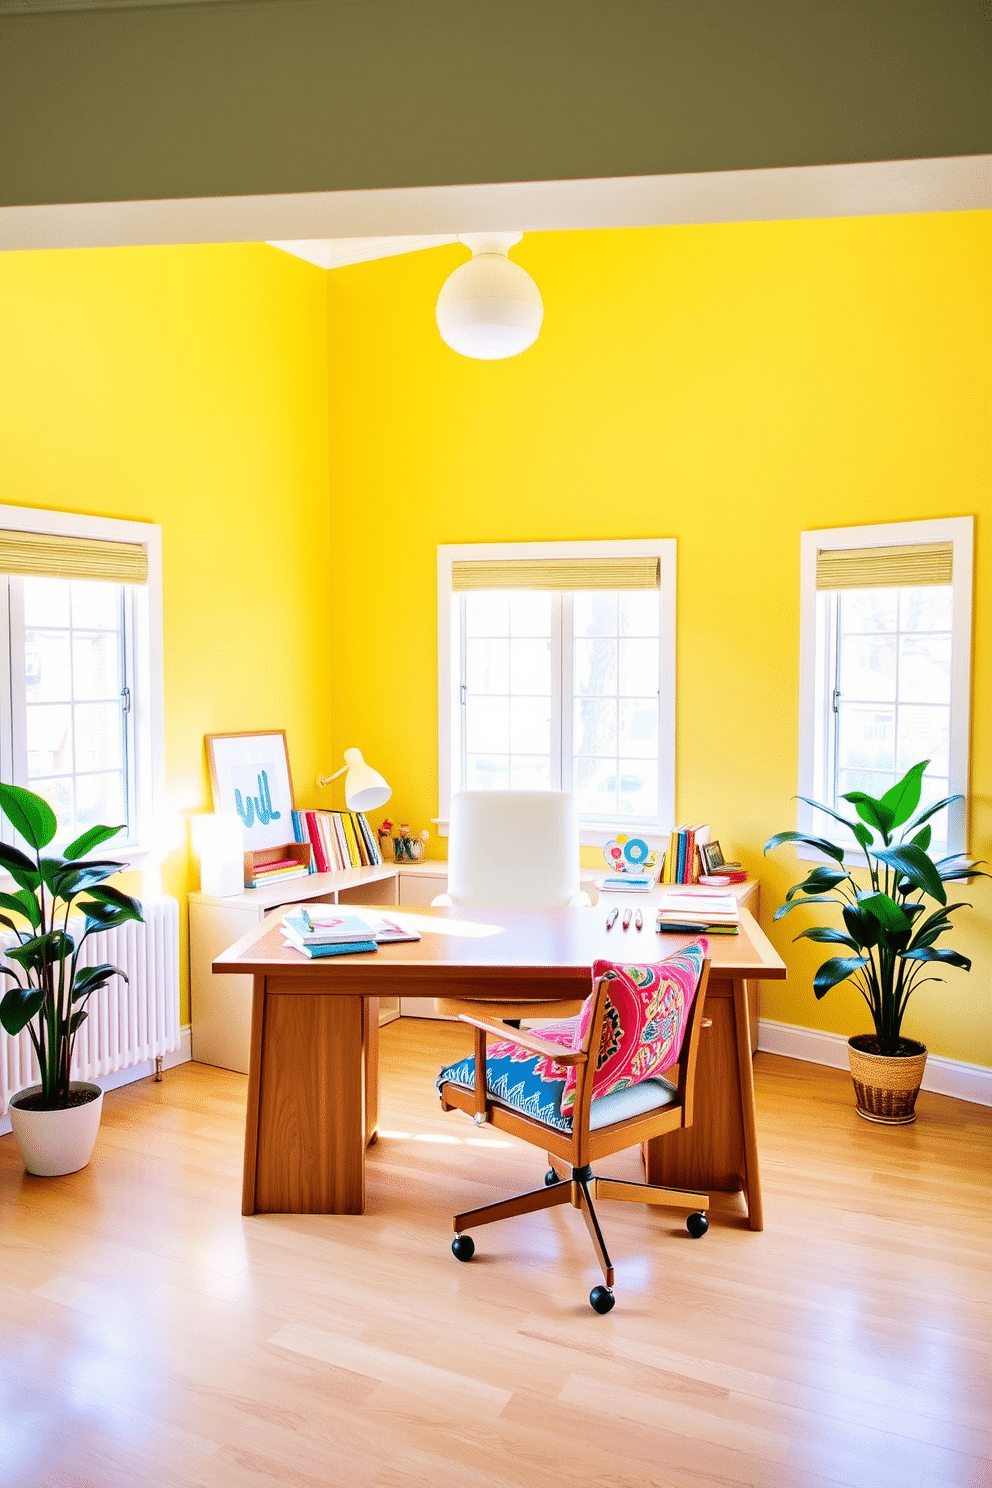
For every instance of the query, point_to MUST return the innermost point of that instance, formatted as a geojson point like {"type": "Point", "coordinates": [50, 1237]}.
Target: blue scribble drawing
{"type": "Point", "coordinates": [257, 808]}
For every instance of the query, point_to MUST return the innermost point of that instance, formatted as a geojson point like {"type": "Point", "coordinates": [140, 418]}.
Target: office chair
{"type": "Point", "coordinates": [549, 1088]}
{"type": "Point", "coordinates": [514, 848]}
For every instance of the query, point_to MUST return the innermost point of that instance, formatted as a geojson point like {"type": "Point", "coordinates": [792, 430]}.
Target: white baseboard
{"type": "Point", "coordinates": [142, 1071]}
{"type": "Point", "coordinates": [969, 1082]}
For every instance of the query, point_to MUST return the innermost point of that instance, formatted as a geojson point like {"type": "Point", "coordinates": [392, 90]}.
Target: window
{"type": "Point", "coordinates": [885, 667]}
{"type": "Point", "coordinates": [556, 671]}
{"type": "Point", "coordinates": [81, 668]}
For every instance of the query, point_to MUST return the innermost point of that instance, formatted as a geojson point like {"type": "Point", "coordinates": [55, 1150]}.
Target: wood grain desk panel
{"type": "Point", "coordinates": [310, 1105]}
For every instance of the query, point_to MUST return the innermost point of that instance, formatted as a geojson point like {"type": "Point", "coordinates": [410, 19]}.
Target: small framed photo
{"type": "Point", "coordinates": [711, 857]}
{"type": "Point", "coordinates": [249, 778]}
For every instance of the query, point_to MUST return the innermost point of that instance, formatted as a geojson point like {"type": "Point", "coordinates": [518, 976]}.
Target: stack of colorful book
{"type": "Point", "coordinates": [682, 858]}
{"type": "Point", "coordinates": [330, 933]}
{"type": "Point", "coordinates": [339, 839]}
{"type": "Point", "coordinates": [703, 912]}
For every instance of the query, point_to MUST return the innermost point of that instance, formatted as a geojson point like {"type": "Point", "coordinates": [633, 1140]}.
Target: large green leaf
{"type": "Point", "coordinates": [89, 978]}
{"type": "Point", "coordinates": [819, 881]}
{"type": "Point", "coordinates": [104, 916]}
{"type": "Point", "coordinates": [29, 815]}
{"type": "Point", "coordinates": [75, 877]}
{"type": "Point", "coordinates": [89, 840]}
{"type": "Point", "coordinates": [23, 903]}
{"type": "Point", "coordinates": [865, 836]}
{"type": "Point", "coordinates": [887, 912]}
{"type": "Point", "coordinates": [939, 918]}
{"type": "Point", "coordinates": [945, 956]}
{"type": "Point", "coordinates": [827, 935]}
{"type": "Point", "coordinates": [116, 899]}
{"type": "Point", "coordinates": [50, 870]}
{"type": "Point", "coordinates": [820, 843]}
{"type": "Point", "coordinates": [837, 969]}
{"type": "Point", "coordinates": [19, 1006]}
{"type": "Point", "coordinates": [864, 928]}
{"type": "Point", "coordinates": [958, 867]}
{"type": "Point", "coordinates": [922, 838]}
{"type": "Point", "coordinates": [904, 797]}
{"type": "Point", "coordinates": [34, 953]}
{"type": "Point", "coordinates": [871, 811]}
{"type": "Point", "coordinates": [912, 862]}
{"type": "Point", "coordinates": [19, 866]}
{"type": "Point", "coordinates": [785, 909]}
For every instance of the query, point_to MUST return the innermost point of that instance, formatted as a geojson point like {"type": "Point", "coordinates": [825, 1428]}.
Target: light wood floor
{"type": "Point", "coordinates": [150, 1335]}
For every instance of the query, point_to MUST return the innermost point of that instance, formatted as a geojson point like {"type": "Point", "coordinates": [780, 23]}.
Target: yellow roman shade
{"type": "Point", "coordinates": [43, 554]}
{"type": "Point", "coordinates": [881, 568]}
{"type": "Point", "coordinates": [559, 574]}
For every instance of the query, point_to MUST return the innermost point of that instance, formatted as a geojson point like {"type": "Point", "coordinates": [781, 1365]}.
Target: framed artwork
{"type": "Point", "coordinates": [249, 778]}
{"type": "Point", "coordinates": [711, 857]}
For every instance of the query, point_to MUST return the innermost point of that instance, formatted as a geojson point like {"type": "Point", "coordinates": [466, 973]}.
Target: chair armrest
{"type": "Point", "coordinates": [527, 1040]}
{"type": "Point", "coordinates": [442, 901]}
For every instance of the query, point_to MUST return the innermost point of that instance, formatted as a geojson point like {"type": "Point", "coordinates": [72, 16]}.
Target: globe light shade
{"type": "Point", "coordinates": [489, 308]}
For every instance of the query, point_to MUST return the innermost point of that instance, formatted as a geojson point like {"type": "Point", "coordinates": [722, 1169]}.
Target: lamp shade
{"type": "Point", "coordinates": [489, 307]}
{"type": "Point", "coordinates": [364, 788]}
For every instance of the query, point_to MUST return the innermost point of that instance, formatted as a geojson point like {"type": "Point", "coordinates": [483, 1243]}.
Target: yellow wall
{"type": "Point", "coordinates": [728, 385]}
{"type": "Point", "coordinates": [188, 387]}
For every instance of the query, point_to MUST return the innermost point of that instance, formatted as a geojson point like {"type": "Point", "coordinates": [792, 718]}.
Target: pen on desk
{"type": "Point", "coordinates": [626, 919]}
{"type": "Point", "coordinates": [639, 920]}
{"type": "Point", "coordinates": [611, 918]}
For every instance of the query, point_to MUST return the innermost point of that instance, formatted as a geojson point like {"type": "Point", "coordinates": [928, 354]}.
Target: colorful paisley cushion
{"type": "Point", "coordinates": [646, 1012]}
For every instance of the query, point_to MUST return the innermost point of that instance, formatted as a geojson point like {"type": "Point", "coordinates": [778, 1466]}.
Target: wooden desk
{"type": "Point", "coordinates": [312, 1071]}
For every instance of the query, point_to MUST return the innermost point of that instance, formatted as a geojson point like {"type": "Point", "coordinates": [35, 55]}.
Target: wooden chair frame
{"type": "Point", "coordinates": [572, 1155]}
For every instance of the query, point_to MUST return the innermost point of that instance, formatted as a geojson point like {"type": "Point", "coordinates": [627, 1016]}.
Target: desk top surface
{"type": "Point", "coordinates": [462, 945]}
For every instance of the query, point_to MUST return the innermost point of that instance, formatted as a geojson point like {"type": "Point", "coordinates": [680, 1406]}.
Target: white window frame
{"type": "Point", "coordinates": [959, 531]}
{"type": "Point", "coordinates": [664, 549]}
{"type": "Point", "coordinates": [147, 665]}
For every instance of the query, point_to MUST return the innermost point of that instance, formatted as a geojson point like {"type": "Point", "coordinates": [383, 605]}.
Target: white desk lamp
{"type": "Point", "coordinates": [364, 788]}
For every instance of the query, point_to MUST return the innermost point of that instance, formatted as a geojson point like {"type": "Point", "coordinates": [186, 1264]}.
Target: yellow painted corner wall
{"type": "Point", "coordinates": [188, 387]}
{"type": "Point", "coordinates": [728, 385]}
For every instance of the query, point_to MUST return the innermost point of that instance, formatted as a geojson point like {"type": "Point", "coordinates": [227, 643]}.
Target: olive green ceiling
{"type": "Point", "coordinates": [267, 96]}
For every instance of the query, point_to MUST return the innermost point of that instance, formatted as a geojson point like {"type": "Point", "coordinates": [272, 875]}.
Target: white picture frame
{"type": "Point", "coordinates": [250, 778]}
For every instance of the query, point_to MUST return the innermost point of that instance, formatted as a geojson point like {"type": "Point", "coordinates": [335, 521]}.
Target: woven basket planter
{"type": "Point", "coordinates": [886, 1086]}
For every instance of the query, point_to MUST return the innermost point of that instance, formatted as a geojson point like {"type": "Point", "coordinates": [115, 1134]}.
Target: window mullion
{"type": "Point", "coordinates": [562, 772]}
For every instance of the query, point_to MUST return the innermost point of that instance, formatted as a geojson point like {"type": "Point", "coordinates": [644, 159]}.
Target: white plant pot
{"type": "Point", "coordinates": [53, 1143]}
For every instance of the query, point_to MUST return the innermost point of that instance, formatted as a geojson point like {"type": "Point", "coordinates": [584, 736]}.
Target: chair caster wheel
{"type": "Point", "coordinates": [463, 1247]}
{"type": "Point", "coordinates": [601, 1299]}
{"type": "Point", "coordinates": [551, 1177]}
{"type": "Point", "coordinates": [697, 1224]}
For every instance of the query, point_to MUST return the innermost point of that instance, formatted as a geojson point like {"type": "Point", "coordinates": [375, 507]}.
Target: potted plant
{"type": "Point", "coordinates": [55, 1123]}
{"type": "Point", "coordinates": [888, 934]}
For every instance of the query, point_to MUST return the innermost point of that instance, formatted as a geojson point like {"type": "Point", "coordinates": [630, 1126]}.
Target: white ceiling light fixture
{"type": "Point", "coordinates": [489, 307]}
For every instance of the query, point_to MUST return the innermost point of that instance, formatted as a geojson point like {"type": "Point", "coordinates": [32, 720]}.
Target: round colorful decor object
{"type": "Point", "coordinates": [613, 855]}
{"type": "Point", "coordinates": [636, 851]}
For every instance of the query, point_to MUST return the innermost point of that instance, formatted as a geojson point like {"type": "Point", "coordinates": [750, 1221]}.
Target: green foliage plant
{"type": "Point", "coordinates": [889, 935]}
{"type": "Point", "coordinates": [50, 988]}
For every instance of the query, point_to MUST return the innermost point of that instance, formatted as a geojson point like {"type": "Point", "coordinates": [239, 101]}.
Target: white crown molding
{"type": "Point", "coordinates": [967, 1082]}
{"type": "Point", "coordinates": [48, 7]}
{"type": "Point", "coordinates": [954, 184]}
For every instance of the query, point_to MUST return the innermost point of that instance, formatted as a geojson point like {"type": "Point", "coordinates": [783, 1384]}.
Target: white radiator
{"type": "Point", "coordinates": [129, 1022]}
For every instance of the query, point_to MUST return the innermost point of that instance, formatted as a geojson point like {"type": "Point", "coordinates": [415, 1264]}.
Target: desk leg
{"type": "Point", "coordinates": [370, 1041]}
{"type": "Point", "coordinates": [719, 1152]}
{"type": "Point", "coordinates": [306, 1124]}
